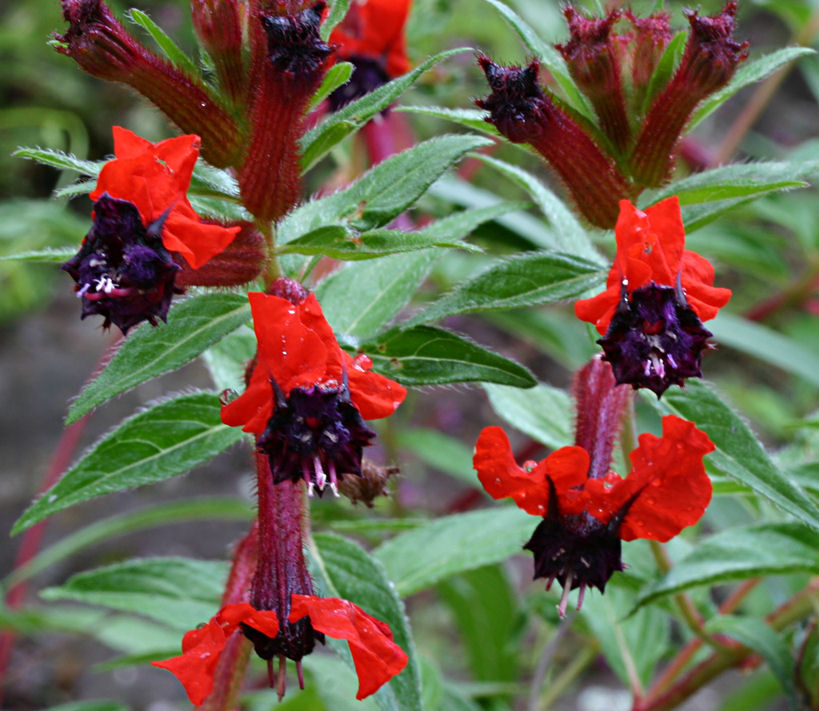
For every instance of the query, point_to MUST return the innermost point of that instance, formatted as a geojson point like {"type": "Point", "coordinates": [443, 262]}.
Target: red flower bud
{"type": "Point", "coordinates": [239, 263]}
{"type": "Point", "coordinates": [710, 60]}
{"type": "Point", "coordinates": [651, 36]}
{"type": "Point", "coordinates": [523, 113]}
{"type": "Point", "coordinates": [103, 48]}
{"type": "Point", "coordinates": [593, 62]}
{"type": "Point", "coordinates": [218, 24]}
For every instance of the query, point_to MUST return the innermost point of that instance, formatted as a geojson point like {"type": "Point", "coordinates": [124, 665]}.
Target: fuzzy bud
{"type": "Point", "coordinates": [218, 24]}
{"type": "Point", "coordinates": [239, 263]}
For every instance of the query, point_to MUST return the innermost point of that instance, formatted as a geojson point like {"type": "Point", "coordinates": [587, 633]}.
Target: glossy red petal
{"type": "Point", "coordinates": [599, 310]}
{"type": "Point", "coordinates": [196, 665]}
{"type": "Point", "coordinates": [374, 395]}
{"type": "Point", "coordinates": [253, 408]}
{"type": "Point", "coordinates": [196, 241]}
{"type": "Point", "coordinates": [376, 656]}
{"type": "Point", "coordinates": [697, 281]}
{"type": "Point", "coordinates": [231, 616]}
{"type": "Point", "coordinates": [501, 476]}
{"type": "Point", "coordinates": [313, 318]}
{"type": "Point", "coordinates": [667, 488]}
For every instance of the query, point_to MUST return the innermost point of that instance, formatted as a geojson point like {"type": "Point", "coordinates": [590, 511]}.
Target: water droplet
{"type": "Point", "coordinates": [52, 498]}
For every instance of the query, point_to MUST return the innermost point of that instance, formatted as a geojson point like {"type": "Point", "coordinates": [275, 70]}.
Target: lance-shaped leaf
{"type": "Point", "coordinates": [60, 160]}
{"type": "Point", "coordinates": [452, 544]}
{"type": "Point", "coordinates": [340, 124]}
{"type": "Point", "coordinates": [539, 412]}
{"type": "Point", "coordinates": [338, 9]}
{"type": "Point", "coordinates": [526, 280]}
{"type": "Point", "coordinates": [180, 592]}
{"type": "Point", "coordinates": [193, 325]}
{"type": "Point", "coordinates": [340, 242]}
{"type": "Point", "coordinates": [383, 192]}
{"type": "Point", "coordinates": [363, 297]}
{"type": "Point", "coordinates": [426, 355]}
{"type": "Point", "coordinates": [49, 254]}
{"type": "Point", "coordinates": [474, 119]}
{"type": "Point", "coordinates": [749, 73]}
{"type": "Point", "coordinates": [739, 453]}
{"type": "Point", "coordinates": [169, 48]}
{"type": "Point", "coordinates": [338, 75]}
{"type": "Point", "coordinates": [161, 442]}
{"type": "Point", "coordinates": [738, 554]}
{"type": "Point", "coordinates": [344, 569]}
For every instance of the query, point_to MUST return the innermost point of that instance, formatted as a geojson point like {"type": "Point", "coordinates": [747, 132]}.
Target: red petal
{"type": "Point", "coordinates": [374, 395]}
{"type": "Point", "coordinates": [196, 666]}
{"type": "Point", "coordinates": [697, 281]}
{"type": "Point", "coordinates": [376, 657]}
{"type": "Point", "coordinates": [600, 309]}
{"type": "Point", "coordinates": [253, 408]}
{"type": "Point", "coordinates": [668, 486]}
{"type": "Point", "coordinates": [266, 621]}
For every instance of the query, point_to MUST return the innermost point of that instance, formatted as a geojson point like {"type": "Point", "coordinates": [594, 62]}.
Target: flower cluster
{"type": "Point", "coordinates": [632, 147]}
{"type": "Point", "coordinates": [656, 298]}
{"type": "Point", "coordinates": [586, 509]}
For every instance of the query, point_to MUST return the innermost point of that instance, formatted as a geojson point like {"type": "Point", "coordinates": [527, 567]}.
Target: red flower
{"type": "Point", "coordinates": [307, 398]}
{"type": "Point", "coordinates": [376, 657]}
{"type": "Point", "coordinates": [658, 293]}
{"type": "Point", "coordinates": [196, 666]}
{"type": "Point", "coordinates": [155, 178]}
{"type": "Point", "coordinates": [372, 38]}
{"type": "Point", "coordinates": [584, 519]}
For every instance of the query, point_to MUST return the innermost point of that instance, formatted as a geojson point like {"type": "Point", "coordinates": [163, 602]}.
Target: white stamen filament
{"type": "Point", "coordinates": [564, 598]}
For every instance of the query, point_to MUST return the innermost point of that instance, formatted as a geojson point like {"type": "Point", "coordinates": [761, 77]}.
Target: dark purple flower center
{"type": "Point", "coordinates": [122, 271]}
{"type": "Point", "coordinates": [576, 550]}
{"type": "Point", "coordinates": [294, 45]}
{"type": "Point", "coordinates": [655, 339]}
{"type": "Point", "coordinates": [295, 640]}
{"type": "Point", "coordinates": [315, 434]}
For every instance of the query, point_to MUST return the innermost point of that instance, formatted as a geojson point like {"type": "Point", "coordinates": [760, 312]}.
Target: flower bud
{"type": "Point", "coordinates": [523, 113]}
{"type": "Point", "coordinates": [218, 24]}
{"type": "Point", "coordinates": [103, 48]}
{"type": "Point", "coordinates": [651, 37]}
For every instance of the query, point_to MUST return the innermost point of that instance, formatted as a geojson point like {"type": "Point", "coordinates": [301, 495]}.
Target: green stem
{"type": "Point", "coordinates": [273, 269]}
{"type": "Point", "coordinates": [567, 676]}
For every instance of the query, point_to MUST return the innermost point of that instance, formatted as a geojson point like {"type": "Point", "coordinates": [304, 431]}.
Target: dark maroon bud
{"type": "Point", "coordinates": [289, 289]}
{"type": "Point", "coordinates": [651, 37]}
{"type": "Point", "coordinates": [103, 48]}
{"type": "Point", "coordinates": [655, 339]}
{"type": "Point", "coordinates": [218, 24]}
{"type": "Point", "coordinates": [524, 113]}
{"type": "Point", "coordinates": [708, 64]}
{"type": "Point", "coordinates": [285, 77]}
{"type": "Point", "coordinates": [122, 271]}
{"type": "Point", "coordinates": [239, 263]}
{"type": "Point", "coordinates": [592, 57]}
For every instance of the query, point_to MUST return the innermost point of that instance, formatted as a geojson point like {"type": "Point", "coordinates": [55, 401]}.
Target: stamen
{"type": "Point", "coordinates": [281, 677]}
{"type": "Point", "coordinates": [308, 478]}
{"type": "Point", "coordinates": [81, 292]}
{"type": "Point", "coordinates": [564, 598]}
{"type": "Point", "coordinates": [580, 595]}
{"type": "Point", "coordinates": [321, 477]}
{"type": "Point", "coordinates": [300, 674]}
{"type": "Point", "coordinates": [331, 466]}
{"type": "Point", "coordinates": [271, 679]}
{"type": "Point", "coordinates": [671, 361]}
{"type": "Point", "coordinates": [550, 581]}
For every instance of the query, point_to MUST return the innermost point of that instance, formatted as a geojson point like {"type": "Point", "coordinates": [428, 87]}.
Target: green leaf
{"type": "Point", "coordinates": [383, 192]}
{"type": "Point", "coordinates": [639, 640]}
{"type": "Point", "coordinates": [346, 570]}
{"type": "Point", "coordinates": [338, 9]}
{"type": "Point", "coordinates": [767, 345]}
{"type": "Point", "coordinates": [208, 180]}
{"type": "Point", "coordinates": [340, 124]}
{"type": "Point", "coordinates": [570, 237]}
{"type": "Point", "coordinates": [735, 181]}
{"type": "Point", "coordinates": [61, 160]}
{"type": "Point", "coordinates": [106, 529]}
{"type": "Point", "coordinates": [49, 254]}
{"type": "Point", "coordinates": [179, 592]}
{"type": "Point", "coordinates": [426, 355]}
{"type": "Point", "coordinates": [474, 119]}
{"type": "Point", "coordinates": [169, 48]}
{"type": "Point", "coordinates": [738, 554]}
{"type": "Point", "coordinates": [193, 325]}
{"type": "Point", "coordinates": [440, 451]}
{"type": "Point", "coordinates": [748, 73]}
{"type": "Point", "coordinates": [449, 545]}
{"type": "Point", "coordinates": [164, 441]}
{"type": "Point", "coordinates": [664, 69]}
{"type": "Point", "coordinates": [338, 75]}
{"type": "Point", "coordinates": [756, 635]}
{"type": "Point", "coordinates": [360, 299]}
{"type": "Point", "coordinates": [525, 280]}
{"type": "Point", "coordinates": [739, 454]}
{"type": "Point", "coordinates": [529, 228]}
{"type": "Point", "coordinates": [227, 360]}
{"type": "Point", "coordinates": [549, 56]}
{"type": "Point", "coordinates": [539, 412]}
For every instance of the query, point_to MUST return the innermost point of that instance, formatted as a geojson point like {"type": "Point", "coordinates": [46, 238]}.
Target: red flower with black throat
{"type": "Point", "coordinates": [143, 222]}
{"type": "Point", "coordinates": [376, 656]}
{"type": "Point", "coordinates": [586, 509]}
{"type": "Point", "coordinates": [656, 298]}
{"type": "Point", "coordinates": [308, 399]}
{"type": "Point", "coordinates": [372, 38]}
